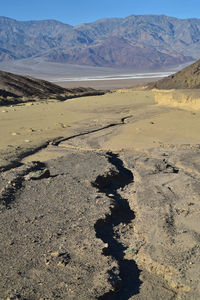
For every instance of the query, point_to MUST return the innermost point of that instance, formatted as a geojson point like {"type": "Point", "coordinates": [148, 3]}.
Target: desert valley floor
{"type": "Point", "coordinates": [100, 198]}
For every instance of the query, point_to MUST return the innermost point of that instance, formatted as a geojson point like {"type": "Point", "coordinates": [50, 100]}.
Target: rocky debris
{"type": "Point", "coordinates": [59, 258]}
{"type": "Point", "coordinates": [15, 178]}
{"type": "Point", "coordinates": [47, 238]}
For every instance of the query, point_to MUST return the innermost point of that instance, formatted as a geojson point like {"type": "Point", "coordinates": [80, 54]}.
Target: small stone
{"type": "Point", "coordinates": [64, 259]}
{"type": "Point", "coordinates": [39, 174]}
{"type": "Point", "coordinates": [112, 206]}
{"type": "Point", "coordinates": [131, 251]}
{"type": "Point", "coordinates": [60, 264]}
{"type": "Point", "coordinates": [55, 254]}
{"type": "Point", "coordinates": [111, 195]}
{"type": "Point", "coordinates": [30, 130]}
{"type": "Point", "coordinates": [47, 262]}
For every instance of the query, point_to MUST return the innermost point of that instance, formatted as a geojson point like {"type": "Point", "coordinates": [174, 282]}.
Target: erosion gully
{"type": "Point", "coordinates": [127, 283]}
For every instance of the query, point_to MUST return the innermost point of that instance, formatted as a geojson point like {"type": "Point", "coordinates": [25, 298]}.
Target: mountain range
{"type": "Point", "coordinates": [139, 42]}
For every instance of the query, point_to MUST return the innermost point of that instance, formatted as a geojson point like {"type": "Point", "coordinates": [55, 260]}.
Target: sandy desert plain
{"type": "Point", "coordinates": [100, 197]}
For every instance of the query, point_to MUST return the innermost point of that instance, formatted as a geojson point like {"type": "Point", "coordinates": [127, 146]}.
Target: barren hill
{"type": "Point", "coordinates": [15, 86]}
{"type": "Point", "coordinates": [188, 78]}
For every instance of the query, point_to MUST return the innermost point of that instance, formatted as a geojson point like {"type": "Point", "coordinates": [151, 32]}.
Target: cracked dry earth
{"type": "Point", "coordinates": [100, 224]}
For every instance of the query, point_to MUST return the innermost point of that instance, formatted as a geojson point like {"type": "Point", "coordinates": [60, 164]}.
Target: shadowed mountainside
{"type": "Point", "coordinates": [161, 40]}
{"type": "Point", "coordinates": [21, 88]}
{"type": "Point", "coordinates": [26, 86]}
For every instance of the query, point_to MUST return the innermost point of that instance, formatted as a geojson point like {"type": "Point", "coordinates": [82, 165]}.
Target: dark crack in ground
{"type": "Point", "coordinates": [128, 282]}
{"type": "Point", "coordinates": [56, 142]}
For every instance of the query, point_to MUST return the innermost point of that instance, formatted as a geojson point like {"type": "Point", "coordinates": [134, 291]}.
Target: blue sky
{"type": "Point", "coordinates": [83, 11]}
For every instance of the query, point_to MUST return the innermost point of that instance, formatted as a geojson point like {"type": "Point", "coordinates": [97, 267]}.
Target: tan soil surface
{"type": "Point", "coordinates": [185, 99]}
{"type": "Point", "coordinates": [110, 210]}
{"type": "Point", "coordinates": [108, 84]}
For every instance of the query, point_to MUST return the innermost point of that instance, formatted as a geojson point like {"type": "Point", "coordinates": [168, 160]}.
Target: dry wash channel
{"type": "Point", "coordinates": [114, 214]}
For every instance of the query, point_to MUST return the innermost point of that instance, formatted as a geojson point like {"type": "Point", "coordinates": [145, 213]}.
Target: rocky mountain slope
{"type": "Point", "coordinates": [117, 52]}
{"type": "Point", "coordinates": [16, 85]}
{"type": "Point", "coordinates": [158, 39]}
{"type": "Point", "coordinates": [23, 88]}
{"type": "Point", "coordinates": [188, 78]}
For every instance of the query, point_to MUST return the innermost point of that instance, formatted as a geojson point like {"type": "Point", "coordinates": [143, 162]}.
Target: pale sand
{"type": "Point", "coordinates": [164, 128]}
{"type": "Point", "coordinates": [148, 125]}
